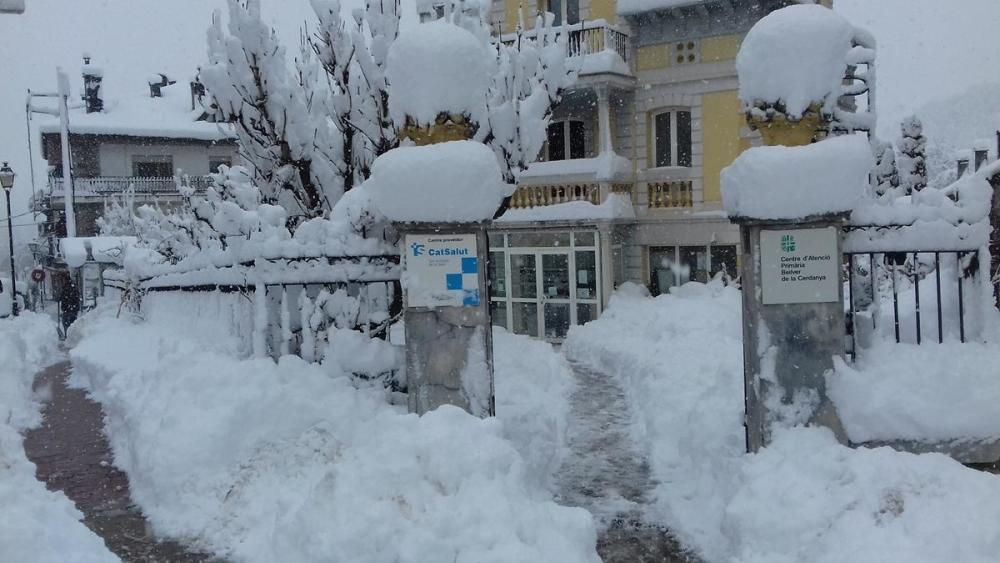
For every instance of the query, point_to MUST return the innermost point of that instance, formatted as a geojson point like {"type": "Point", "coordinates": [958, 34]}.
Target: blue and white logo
{"type": "Point", "coordinates": [417, 248]}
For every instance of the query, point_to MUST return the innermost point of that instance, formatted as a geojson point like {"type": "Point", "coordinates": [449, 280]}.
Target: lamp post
{"type": "Point", "coordinates": [7, 182]}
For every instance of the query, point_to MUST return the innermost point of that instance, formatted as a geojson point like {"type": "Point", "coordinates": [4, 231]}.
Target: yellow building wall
{"type": "Point", "coordinates": [652, 57]}
{"type": "Point", "coordinates": [510, 15]}
{"type": "Point", "coordinates": [720, 47]}
{"type": "Point", "coordinates": [604, 10]}
{"type": "Point", "coordinates": [721, 120]}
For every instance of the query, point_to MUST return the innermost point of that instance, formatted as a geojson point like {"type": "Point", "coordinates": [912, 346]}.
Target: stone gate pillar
{"type": "Point", "coordinates": [793, 322]}
{"type": "Point", "coordinates": [449, 344]}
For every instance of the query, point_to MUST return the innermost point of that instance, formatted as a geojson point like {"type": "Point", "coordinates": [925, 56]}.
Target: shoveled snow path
{"type": "Point", "coordinates": [607, 473]}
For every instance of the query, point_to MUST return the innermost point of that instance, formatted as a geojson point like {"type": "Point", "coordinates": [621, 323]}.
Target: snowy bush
{"type": "Point", "coordinates": [912, 147]}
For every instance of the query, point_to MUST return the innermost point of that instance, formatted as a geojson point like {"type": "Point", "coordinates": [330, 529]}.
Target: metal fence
{"type": "Point", "coordinates": [930, 284]}
{"type": "Point", "coordinates": [289, 315]}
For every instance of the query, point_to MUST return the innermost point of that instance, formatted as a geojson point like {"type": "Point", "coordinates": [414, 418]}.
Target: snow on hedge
{"type": "Point", "coordinates": [795, 56]}
{"type": "Point", "coordinates": [438, 67]}
{"type": "Point", "coordinates": [953, 218]}
{"type": "Point", "coordinates": [781, 182]}
{"type": "Point", "coordinates": [258, 461]}
{"type": "Point", "coordinates": [804, 497]}
{"type": "Point", "coordinates": [36, 524]}
{"type": "Point", "coordinates": [457, 181]}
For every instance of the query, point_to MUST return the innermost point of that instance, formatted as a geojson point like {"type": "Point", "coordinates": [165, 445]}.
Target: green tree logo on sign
{"type": "Point", "coordinates": [788, 243]}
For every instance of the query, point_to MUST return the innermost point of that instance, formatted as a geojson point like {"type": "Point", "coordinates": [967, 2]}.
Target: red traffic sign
{"type": "Point", "coordinates": [38, 275]}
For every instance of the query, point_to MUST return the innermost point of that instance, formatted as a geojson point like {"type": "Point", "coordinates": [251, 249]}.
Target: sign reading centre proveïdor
{"type": "Point", "coordinates": [441, 271]}
{"type": "Point", "coordinates": [799, 266]}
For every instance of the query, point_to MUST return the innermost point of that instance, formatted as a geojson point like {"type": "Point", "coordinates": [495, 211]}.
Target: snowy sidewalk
{"type": "Point", "coordinates": [73, 456]}
{"type": "Point", "coordinates": [609, 475]}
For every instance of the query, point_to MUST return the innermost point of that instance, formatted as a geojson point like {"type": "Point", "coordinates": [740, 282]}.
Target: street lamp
{"type": "Point", "coordinates": [7, 182]}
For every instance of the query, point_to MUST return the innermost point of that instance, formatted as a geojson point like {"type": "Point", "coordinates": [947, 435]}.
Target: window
{"type": "Point", "coordinates": [566, 140]}
{"type": "Point", "coordinates": [671, 266]}
{"type": "Point", "coordinates": [214, 162]}
{"type": "Point", "coordinates": [567, 11]}
{"type": "Point", "coordinates": [724, 260]}
{"type": "Point", "coordinates": [672, 138]}
{"type": "Point", "coordinates": [153, 166]}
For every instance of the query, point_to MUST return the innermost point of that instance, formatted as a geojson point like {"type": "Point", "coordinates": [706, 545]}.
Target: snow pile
{"type": "Point", "coordinates": [533, 385]}
{"type": "Point", "coordinates": [438, 67]}
{"type": "Point", "coordinates": [680, 359]}
{"type": "Point", "coordinates": [807, 498]}
{"type": "Point", "coordinates": [804, 497]}
{"type": "Point", "coordinates": [258, 461]}
{"type": "Point", "coordinates": [77, 250]}
{"type": "Point", "coordinates": [927, 393]}
{"type": "Point", "coordinates": [795, 182]}
{"type": "Point", "coordinates": [794, 57]}
{"type": "Point", "coordinates": [36, 525]}
{"type": "Point", "coordinates": [457, 181]}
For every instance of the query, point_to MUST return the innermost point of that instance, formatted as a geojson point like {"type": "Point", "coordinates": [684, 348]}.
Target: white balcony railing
{"type": "Point", "coordinates": [106, 185]}
{"type": "Point", "coordinates": [586, 38]}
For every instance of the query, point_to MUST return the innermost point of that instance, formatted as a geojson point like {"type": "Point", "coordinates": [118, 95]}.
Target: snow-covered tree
{"type": "Point", "coordinates": [353, 54]}
{"type": "Point", "coordinates": [886, 173]}
{"type": "Point", "coordinates": [282, 136]}
{"type": "Point", "coordinates": [912, 161]}
{"type": "Point", "coordinates": [118, 218]}
{"type": "Point", "coordinates": [529, 79]}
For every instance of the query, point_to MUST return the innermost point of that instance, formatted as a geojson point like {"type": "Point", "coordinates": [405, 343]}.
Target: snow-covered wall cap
{"type": "Point", "coordinates": [437, 67]}
{"type": "Point", "coordinates": [795, 56]}
{"type": "Point", "coordinates": [453, 182]}
{"type": "Point", "coordinates": [781, 182]}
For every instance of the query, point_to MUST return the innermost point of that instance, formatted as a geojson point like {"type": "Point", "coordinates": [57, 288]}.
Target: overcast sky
{"type": "Point", "coordinates": [927, 49]}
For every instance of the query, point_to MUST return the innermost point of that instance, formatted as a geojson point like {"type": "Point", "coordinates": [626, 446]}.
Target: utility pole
{"type": "Point", "coordinates": [67, 171]}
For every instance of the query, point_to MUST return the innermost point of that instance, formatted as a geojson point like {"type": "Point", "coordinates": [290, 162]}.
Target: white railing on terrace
{"type": "Point", "coordinates": [119, 184]}
{"type": "Point", "coordinates": [585, 38]}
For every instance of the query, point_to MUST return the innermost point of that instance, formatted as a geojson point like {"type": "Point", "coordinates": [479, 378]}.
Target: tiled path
{"type": "Point", "coordinates": [73, 456]}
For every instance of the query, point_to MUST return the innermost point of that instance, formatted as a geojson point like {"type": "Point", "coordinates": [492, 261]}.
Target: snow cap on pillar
{"type": "Point", "coordinates": [439, 75]}
{"type": "Point", "coordinates": [791, 66]}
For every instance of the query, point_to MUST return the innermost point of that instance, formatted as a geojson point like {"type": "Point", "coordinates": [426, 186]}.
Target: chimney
{"type": "Point", "coordinates": [92, 78]}
{"type": "Point", "coordinates": [156, 83]}
{"type": "Point", "coordinates": [197, 93]}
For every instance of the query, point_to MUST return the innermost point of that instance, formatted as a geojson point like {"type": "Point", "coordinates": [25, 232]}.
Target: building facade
{"type": "Point", "coordinates": [132, 144]}
{"type": "Point", "coordinates": [628, 186]}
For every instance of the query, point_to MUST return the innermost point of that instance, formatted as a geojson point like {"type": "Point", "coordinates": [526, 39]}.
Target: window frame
{"type": "Point", "coordinates": [674, 152]}
{"type": "Point", "coordinates": [227, 160]}
{"type": "Point", "coordinates": [139, 159]}
{"type": "Point", "coordinates": [567, 136]}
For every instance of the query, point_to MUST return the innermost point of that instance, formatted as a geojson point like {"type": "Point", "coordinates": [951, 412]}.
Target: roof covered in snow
{"type": "Point", "coordinates": [626, 7]}
{"type": "Point", "coordinates": [140, 115]}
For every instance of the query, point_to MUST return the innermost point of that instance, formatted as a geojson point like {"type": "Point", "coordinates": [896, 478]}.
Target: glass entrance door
{"type": "Point", "coordinates": [542, 291]}
{"type": "Point", "coordinates": [555, 299]}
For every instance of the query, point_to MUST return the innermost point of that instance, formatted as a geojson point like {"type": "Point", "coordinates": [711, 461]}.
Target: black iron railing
{"type": "Point", "coordinates": [873, 278]}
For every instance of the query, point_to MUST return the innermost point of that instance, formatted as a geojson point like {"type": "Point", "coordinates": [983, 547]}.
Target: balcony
{"type": "Point", "coordinates": [670, 194]}
{"type": "Point", "coordinates": [113, 185]}
{"type": "Point", "coordinates": [595, 41]}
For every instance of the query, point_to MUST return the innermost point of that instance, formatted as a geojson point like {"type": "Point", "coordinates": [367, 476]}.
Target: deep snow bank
{"type": "Point", "coordinates": [928, 393]}
{"type": "Point", "coordinates": [803, 498]}
{"type": "Point", "coordinates": [533, 386]}
{"type": "Point", "coordinates": [36, 525]}
{"type": "Point", "coordinates": [260, 461]}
